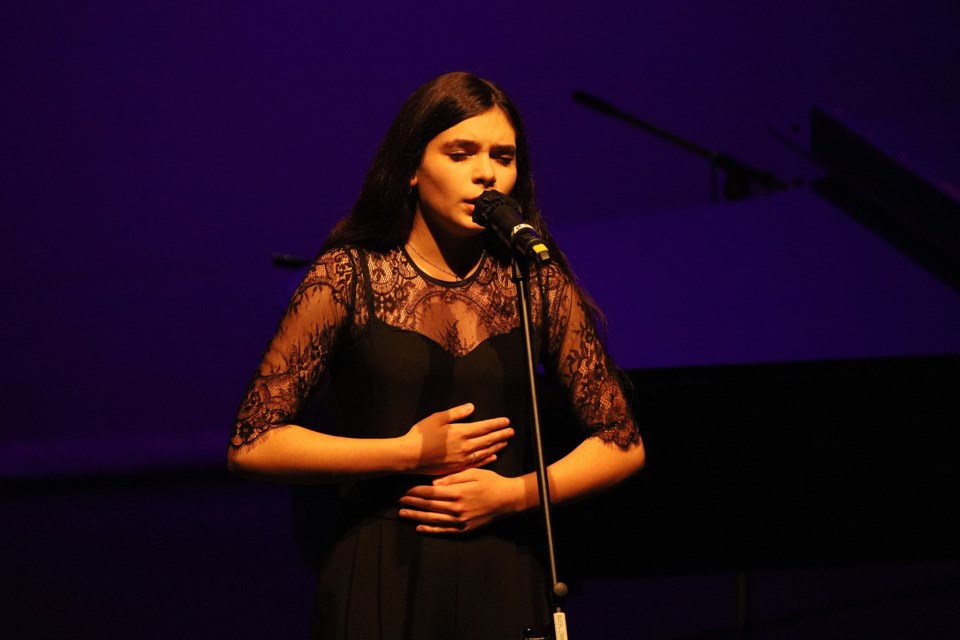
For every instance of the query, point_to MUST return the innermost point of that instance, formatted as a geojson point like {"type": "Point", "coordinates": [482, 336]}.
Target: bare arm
{"type": "Point", "coordinates": [439, 444]}
{"type": "Point", "coordinates": [593, 466]}
{"type": "Point", "coordinates": [294, 454]}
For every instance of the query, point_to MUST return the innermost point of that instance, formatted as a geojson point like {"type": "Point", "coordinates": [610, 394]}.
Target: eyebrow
{"type": "Point", "coordinates": [461, 143]}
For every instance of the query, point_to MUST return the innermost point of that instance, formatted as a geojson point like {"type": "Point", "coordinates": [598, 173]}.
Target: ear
{"type": "Point", "coordinates": [413, 181]}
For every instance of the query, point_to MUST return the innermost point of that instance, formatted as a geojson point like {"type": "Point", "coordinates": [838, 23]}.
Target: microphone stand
{"type": "Point", "coordinates": [521, 277]}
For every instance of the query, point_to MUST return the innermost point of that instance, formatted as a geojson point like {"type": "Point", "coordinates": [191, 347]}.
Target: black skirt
{"type": "Point", "coordinates": [381, 580]}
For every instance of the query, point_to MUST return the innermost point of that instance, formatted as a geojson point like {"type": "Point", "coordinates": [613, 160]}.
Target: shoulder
{"type": "Point", "coordinates": [554, 281]}
{"type": "Point", "coordinates": [554, 272]}
{"type": "Point", "coordinates": [543, 275]}
{"type": "Point", "coordinates": [334, 266]}
{"type": "Point", "coordinates": [351, 270]}
{"type": "Point", "coordinates": [334, 274]}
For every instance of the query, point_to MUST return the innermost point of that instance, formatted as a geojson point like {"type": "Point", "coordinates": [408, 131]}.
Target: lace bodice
{"type": "Point", "coordinates": [347, 290]}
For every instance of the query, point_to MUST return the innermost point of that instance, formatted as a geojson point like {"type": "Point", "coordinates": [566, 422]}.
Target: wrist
{"type": "Point", "coordinates": [518, 500]}
{"type": "Point", "coordinates": [404, 455]}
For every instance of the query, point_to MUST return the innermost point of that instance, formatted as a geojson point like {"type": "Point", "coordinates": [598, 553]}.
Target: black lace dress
{"type": "Point", "coordinates": [399, 345]}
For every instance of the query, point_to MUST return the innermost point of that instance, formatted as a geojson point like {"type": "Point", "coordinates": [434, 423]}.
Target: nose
{"type": "Point", "coordinates": [484, 172]}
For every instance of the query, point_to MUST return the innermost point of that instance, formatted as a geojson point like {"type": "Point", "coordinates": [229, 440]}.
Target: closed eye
{"type": "Point", "coordinates": [504, 154]}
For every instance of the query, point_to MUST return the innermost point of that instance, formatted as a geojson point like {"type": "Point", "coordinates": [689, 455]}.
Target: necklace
{"type": "Point", "coordinates": [443, 269]}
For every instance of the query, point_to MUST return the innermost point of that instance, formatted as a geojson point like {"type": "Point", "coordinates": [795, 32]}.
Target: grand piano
{"type": "Point", "coordinates": [815, 418]}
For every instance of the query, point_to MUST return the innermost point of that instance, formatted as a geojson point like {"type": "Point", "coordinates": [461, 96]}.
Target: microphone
{"type": "Point", "coordinates": [496, 211]}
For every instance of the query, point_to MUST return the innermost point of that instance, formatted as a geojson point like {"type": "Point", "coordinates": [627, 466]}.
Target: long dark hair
{"type": "Point", "coordinates": [382, 217]}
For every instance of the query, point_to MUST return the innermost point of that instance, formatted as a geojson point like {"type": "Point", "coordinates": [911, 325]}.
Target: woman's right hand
{"type": "Point", "coordinates": [441, 444]}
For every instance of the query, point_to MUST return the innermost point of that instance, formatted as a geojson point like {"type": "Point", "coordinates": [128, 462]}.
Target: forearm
{"type": "Point", "coordinates": [294, 454]}
{"type": "Point", "coordinates": [590, 468]}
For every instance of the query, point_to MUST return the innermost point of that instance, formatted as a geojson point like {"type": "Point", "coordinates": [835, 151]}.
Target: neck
{"type": "Point", "coordinates": [454, 255]}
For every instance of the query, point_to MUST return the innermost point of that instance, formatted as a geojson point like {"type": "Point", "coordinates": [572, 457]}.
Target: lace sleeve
{"type": "Point", "coordinates": [298, 353]}
{"type": "Point", "coordinates": [575, 354]}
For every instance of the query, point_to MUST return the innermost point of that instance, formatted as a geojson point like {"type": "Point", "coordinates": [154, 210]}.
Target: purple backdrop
{"type": "Point", "coordinates": [157, 154]}
{"type": "Point", "coordinates": [153, 155]}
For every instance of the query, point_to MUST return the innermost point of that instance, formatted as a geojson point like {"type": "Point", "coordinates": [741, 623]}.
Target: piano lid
{"type": "Point", "coordinates": [910, 198]}
{"type": "Point", "coordinates": [781, 278]}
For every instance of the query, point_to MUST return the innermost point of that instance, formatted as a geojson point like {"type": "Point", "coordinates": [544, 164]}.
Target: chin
{"type": "Point", "coordinates": [468, 230]}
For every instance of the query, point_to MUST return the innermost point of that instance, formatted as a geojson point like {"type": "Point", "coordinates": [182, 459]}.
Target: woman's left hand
{"type": "Point", "coordinates": [462, 501]}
